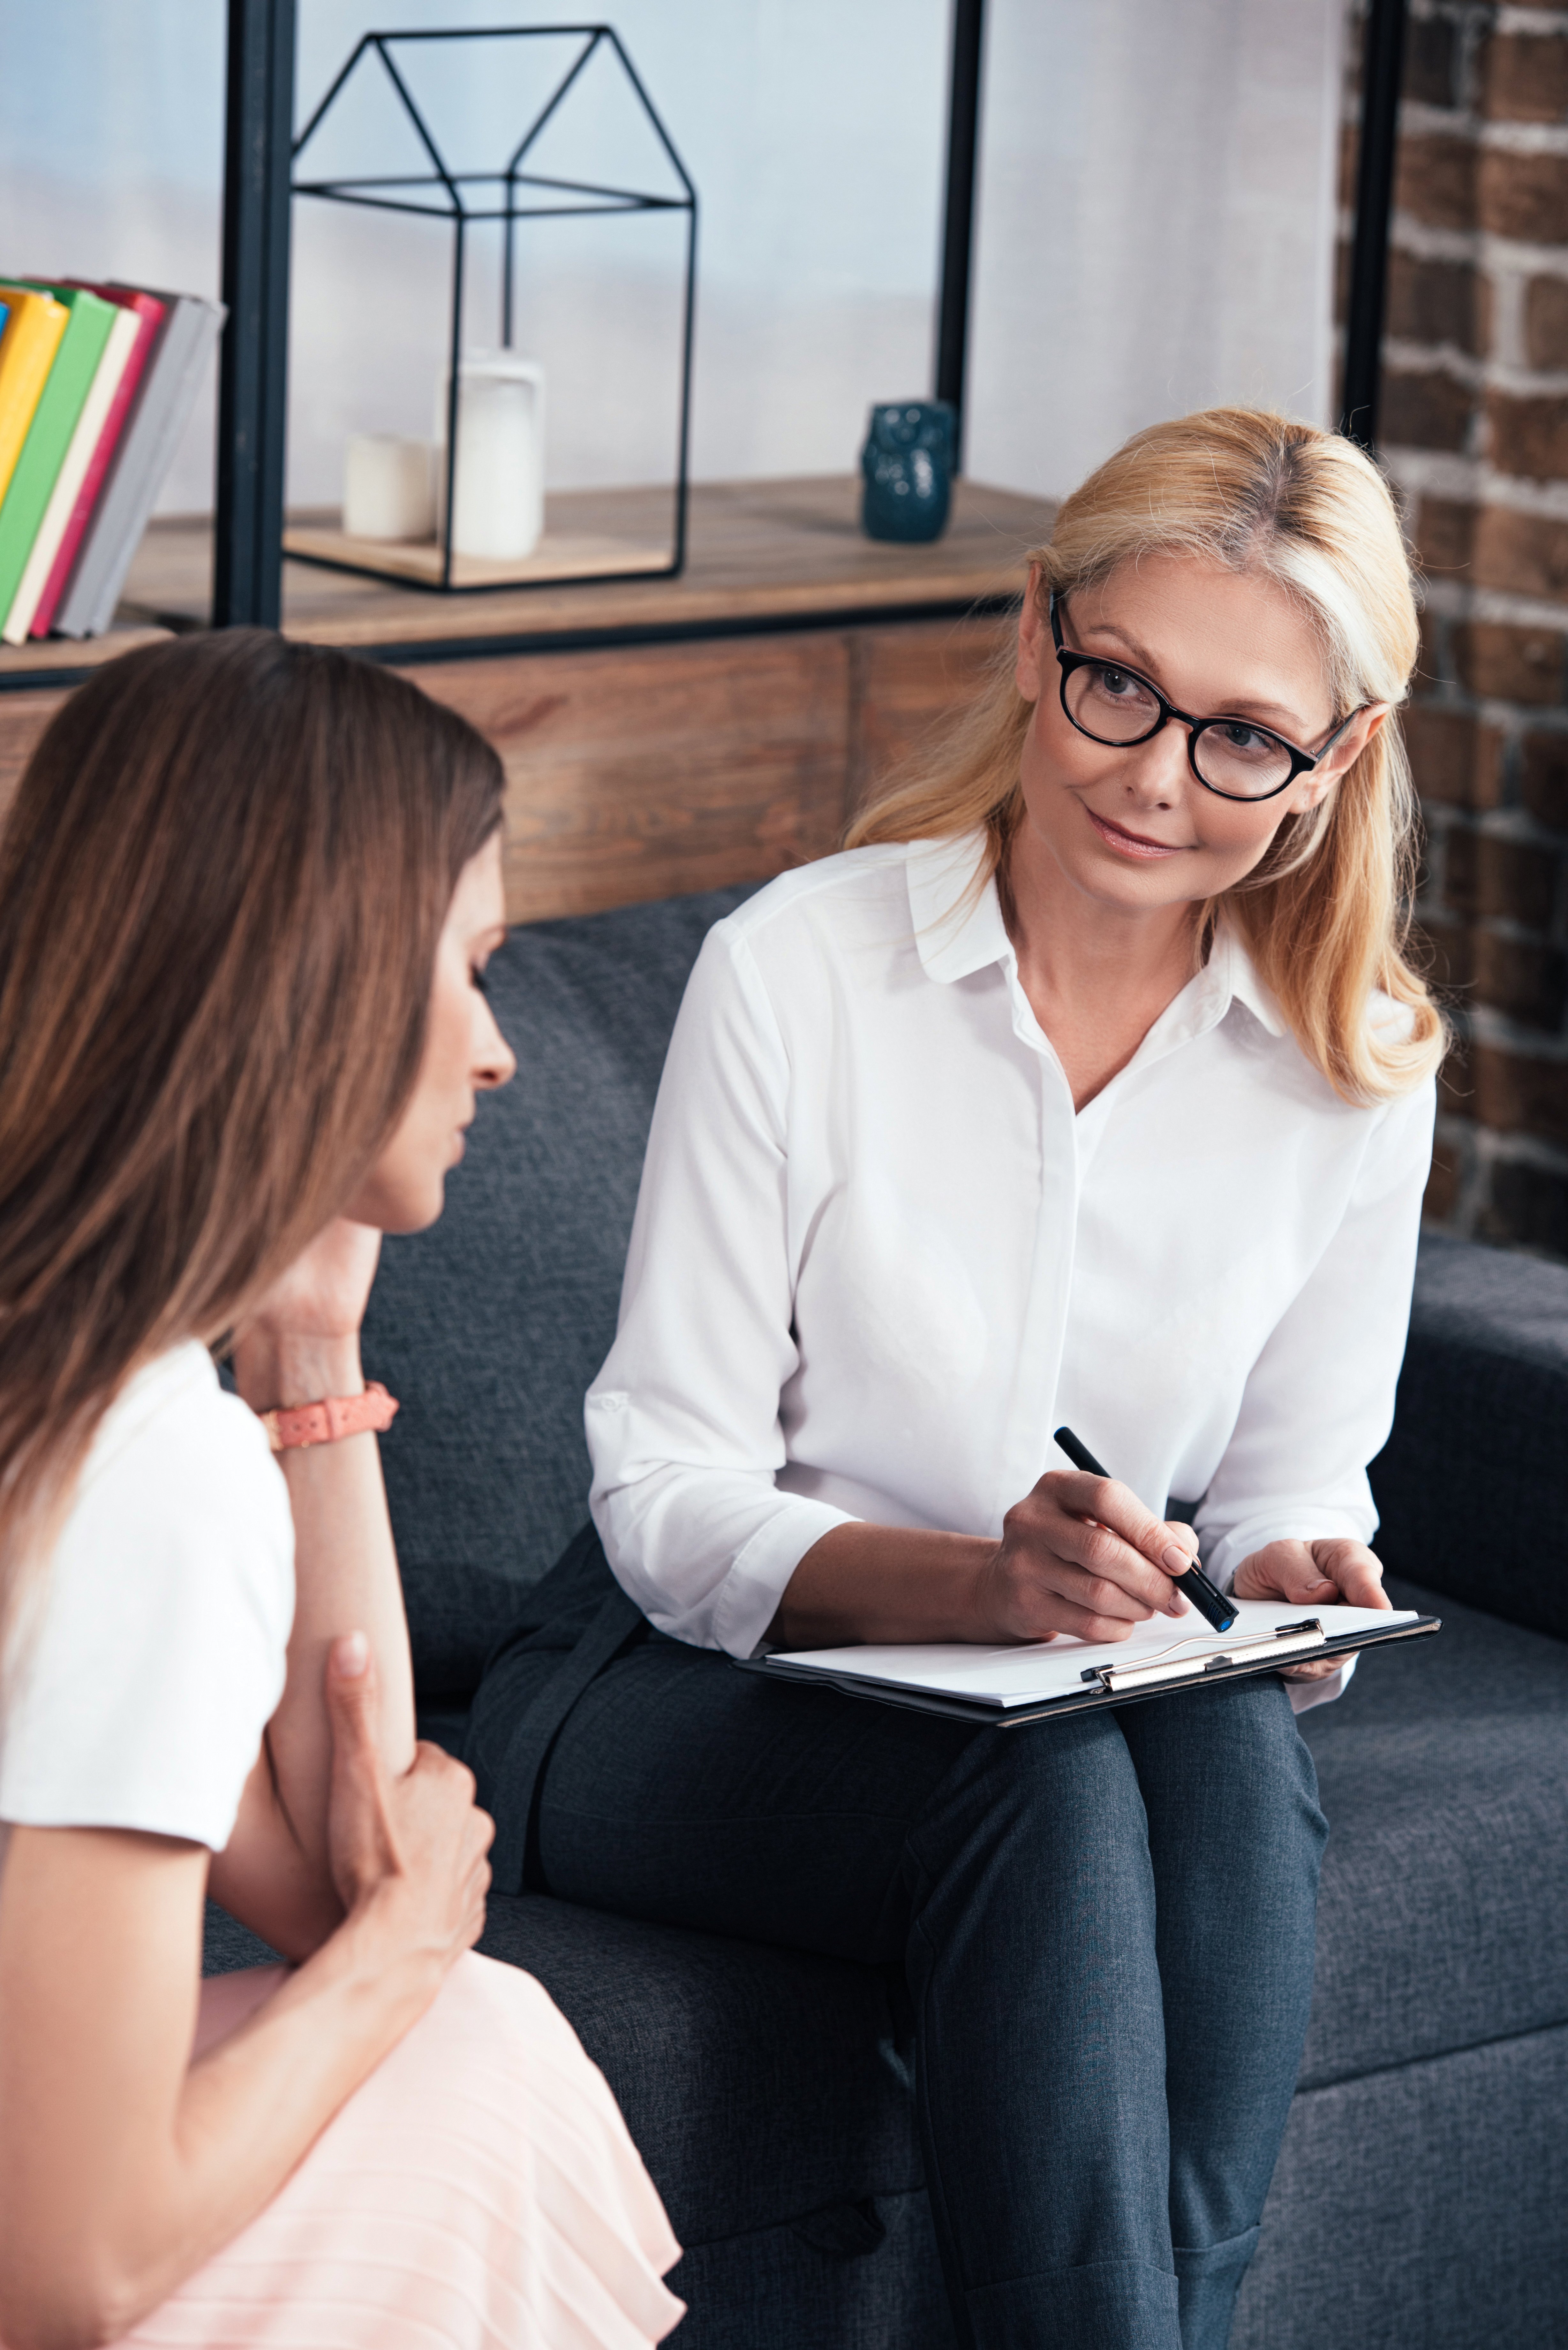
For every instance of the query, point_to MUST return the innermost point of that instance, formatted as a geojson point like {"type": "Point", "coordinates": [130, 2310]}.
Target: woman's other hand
{"type": "Point", "coordinates": [408, 1854]}
{"type": "Point", "coordinates": [124, 2165]}
{"type": "Point", "coordinates": [1081, 1554]}
{"type": "Point", "coordinates": [324, 1293]}
{"type": "Point", "coordinates": [1328, 1573]}
{"type": "Point", "coordinates": [300, 1346]}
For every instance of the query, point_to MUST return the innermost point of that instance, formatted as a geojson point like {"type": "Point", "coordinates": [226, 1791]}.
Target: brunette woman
{"type": "Point", "coordinates": [247, 893]}
{"type": "Point", "coordinates": [1091, 1084]}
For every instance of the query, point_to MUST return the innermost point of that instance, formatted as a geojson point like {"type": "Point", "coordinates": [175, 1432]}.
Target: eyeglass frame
{"type": "Point", "coordinates": [1302, 761]}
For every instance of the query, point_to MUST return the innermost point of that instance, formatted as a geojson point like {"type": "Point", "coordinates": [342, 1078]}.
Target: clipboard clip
{"type": "Point", "coordinates": [1261, 1648]}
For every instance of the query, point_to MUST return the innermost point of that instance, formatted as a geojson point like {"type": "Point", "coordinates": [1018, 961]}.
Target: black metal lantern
{"type": "Point", "coordinates": [510, 194]}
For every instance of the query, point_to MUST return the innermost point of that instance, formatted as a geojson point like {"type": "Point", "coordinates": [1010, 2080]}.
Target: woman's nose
{"type": "Point", "coordinates": [496, 1063]}
{"type": "Point", "coordinates": [1156, 770]}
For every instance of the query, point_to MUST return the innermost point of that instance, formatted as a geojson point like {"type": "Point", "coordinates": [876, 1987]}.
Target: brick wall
{"type": "Point", "coordinates": [1474, 428]}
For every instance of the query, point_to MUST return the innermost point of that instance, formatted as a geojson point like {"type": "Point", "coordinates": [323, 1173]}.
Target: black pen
{"type": "Point", "coordinates": [1194, 1585]}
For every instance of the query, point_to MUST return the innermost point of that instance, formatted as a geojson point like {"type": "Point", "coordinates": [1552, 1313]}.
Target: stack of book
{"type": "Point", "coordinates": [96, 383]}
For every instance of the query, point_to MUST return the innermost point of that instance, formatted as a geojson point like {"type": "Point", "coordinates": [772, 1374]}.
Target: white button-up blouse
{"type": "Point", "coordinates": [877, 1257]}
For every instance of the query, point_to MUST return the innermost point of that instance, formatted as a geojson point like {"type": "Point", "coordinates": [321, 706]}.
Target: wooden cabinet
{"type": "Point", "coordinates": [22, 718]}
{"type": "Point", "coordinates": [652, 770]}
{"type": "Point", "coordinates": [656, 769]}
{"type": "Point", "coordinates": [649, 769]}
{"type": "Point", "coordinates": [694, 743]}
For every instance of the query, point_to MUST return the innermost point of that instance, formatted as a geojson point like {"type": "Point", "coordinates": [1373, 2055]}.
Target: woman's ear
{"type": "Point", "coordinates": [1031, 636]}
{"type": "Point", "coordinates": [1315, 787]}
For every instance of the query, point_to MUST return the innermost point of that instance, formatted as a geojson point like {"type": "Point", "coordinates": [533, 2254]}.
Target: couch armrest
{"type": "Point", "coordinates": [1472, 1486]}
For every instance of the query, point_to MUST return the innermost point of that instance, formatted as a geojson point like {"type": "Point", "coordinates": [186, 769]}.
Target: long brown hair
{"type": "Point", "coordinates": [1326, 913]}
{"type": "Point", "coordinates": [222, 885]}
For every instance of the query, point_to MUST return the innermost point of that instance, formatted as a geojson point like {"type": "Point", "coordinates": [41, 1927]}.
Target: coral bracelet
{"type": "Point", "coordinates": [334, 1416]}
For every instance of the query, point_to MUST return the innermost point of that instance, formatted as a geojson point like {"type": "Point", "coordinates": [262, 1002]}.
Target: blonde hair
{"type": "Point", "coordinates": [1325, 913]}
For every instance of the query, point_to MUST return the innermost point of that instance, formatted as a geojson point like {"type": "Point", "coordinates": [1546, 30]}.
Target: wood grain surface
{"type": "Point", "coordinates": [907, 680]}
{"type": "Point", "coordinates": [31, 660]}
{"type": "Point", "coordinates": [561, 554]}
{"type": "Point", "coordinates": [22, 718]}
{"type": "Point", "coordinates": [658, 770]}
{"type": "Point", "coordinates": [789, 550]}
{"type": "Point", "coordinates": [758, 551]}
{"type": "Point", "coordinates": [650, 771]}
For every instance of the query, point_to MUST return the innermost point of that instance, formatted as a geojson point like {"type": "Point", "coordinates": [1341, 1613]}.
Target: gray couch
{"type": "Point", "coordinates": [1422, 2194]}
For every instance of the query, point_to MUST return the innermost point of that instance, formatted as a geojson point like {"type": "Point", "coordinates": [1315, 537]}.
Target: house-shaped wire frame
{"type": "Point", "coordinates": [509, 194]}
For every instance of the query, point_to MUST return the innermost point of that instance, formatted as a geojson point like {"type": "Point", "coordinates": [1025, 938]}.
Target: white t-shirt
{"type": "Point", "coordinates": [150, 1657]}
{"type": "Point", "coordinates": [877, 1256]}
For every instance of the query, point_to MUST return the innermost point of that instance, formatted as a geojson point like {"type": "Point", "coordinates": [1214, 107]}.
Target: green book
{"type": "Point", "coordinates": [60, 403]}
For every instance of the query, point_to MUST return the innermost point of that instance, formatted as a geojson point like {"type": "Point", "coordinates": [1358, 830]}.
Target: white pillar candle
{"type": "Point", "coordinates": [498, 496]}
{"type": "Point", "coordinates": [389, 487]}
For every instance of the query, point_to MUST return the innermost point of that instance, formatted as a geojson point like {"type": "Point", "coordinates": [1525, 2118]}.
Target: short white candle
{"type": "Point", "coordinates": [498, 498]}
{"type": "Point", "coordinates": [389, 487]}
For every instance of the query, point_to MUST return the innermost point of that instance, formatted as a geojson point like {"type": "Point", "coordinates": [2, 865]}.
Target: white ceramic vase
{"type": "Point", "coordinates": [498, 494]}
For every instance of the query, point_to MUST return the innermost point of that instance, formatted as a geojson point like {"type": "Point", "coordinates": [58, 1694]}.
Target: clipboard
{"type": "Point", "coordinates": [1104, 1677]}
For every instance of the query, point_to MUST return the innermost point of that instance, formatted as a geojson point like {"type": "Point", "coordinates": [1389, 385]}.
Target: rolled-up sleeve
{"type": "Point", "coordinates": [683, 1420]}
{"type": "Point", "coordinates": [1319, 1401]}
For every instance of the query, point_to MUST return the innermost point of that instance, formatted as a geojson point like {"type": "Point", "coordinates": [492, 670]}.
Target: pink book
{"type": "Point", "coordinates": [150, 312]}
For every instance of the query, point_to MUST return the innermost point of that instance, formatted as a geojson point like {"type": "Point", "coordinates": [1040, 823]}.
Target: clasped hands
{"type": "Point", "coordinates": [1081, 1554]}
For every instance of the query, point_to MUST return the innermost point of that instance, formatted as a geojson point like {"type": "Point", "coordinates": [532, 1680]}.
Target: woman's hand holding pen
{"type": "Point", "coordinates": [1081, 1553]}
{"type": "Point", "coordinates": [1329, 1573]}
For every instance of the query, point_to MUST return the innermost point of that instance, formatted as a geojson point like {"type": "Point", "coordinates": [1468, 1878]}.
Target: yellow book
{"type": "Point", "coordinates": [27, 348]}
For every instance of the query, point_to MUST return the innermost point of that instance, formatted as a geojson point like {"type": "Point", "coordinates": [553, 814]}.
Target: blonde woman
{"type": "Point", "coordinates": [1092, 1085]}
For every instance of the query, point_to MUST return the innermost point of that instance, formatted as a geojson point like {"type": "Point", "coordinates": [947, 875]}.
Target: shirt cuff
{"type": "Point", "coordinates": [1304, 1695]}
{"type": "Point", "coordinates": [1223, 1557]}
{"type": "Point", "coordinates": [749, 1596]}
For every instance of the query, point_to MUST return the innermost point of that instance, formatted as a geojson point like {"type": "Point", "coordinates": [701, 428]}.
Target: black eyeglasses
{"type": "Point", "coordinates": [1112, 704]}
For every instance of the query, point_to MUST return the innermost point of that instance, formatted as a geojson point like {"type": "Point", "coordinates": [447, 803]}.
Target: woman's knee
{"type": "Point", "coordinates": [487, 2003]}
{"type": "Point", "coordinates": [1043, 1792]}
{"type": "Point", "coordinates": [492, 2036]}
{"type": "Point", "coordinates": [1230, 1792]}
{"type": "Point", "coordinates": [1241, 1731]}
{"type": "Point", "coordinates": [1271, 1775]}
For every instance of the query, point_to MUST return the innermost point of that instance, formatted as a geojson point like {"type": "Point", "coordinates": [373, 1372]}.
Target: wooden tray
{"type": "Point", "coordinates": [560, 555]}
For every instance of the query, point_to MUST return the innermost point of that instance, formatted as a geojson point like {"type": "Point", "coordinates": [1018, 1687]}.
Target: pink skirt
{"type": "Point", "coordinates": [478, 2192]}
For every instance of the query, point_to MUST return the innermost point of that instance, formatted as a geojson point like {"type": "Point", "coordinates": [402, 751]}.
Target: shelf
{"type": "Point", "coordinates": [61, 660]}
{"type": "Point", "coordinates": [774, 554]}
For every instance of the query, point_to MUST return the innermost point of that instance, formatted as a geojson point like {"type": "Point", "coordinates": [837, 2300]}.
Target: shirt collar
{"type": "Point", "coordinates": [959, 930]}
{"type": "Point", "coordinates": [1236, 974]}
{"type": "Point", "coordinates": [957, 923]}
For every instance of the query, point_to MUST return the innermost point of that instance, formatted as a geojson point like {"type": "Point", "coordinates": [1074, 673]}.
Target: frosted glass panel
{"type": "Point", "coordinates": [1155, 223]}
{"type": "Point", "coordinates": [813, 132]}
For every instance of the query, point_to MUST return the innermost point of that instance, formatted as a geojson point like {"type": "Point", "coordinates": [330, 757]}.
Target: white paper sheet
{"type": "Point", "coordinates": [1027, 1676]}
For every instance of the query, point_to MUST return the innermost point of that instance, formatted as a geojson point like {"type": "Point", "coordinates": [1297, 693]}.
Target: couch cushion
{"type": "Point", "coordinates": [1443, 1917]}
{"type": "Point", "coordinates": [1470, 1484]}
{"type": "Point", "coordinates": [760, 2086]}
{"type": "Point", "coordinates": [489, 1326]}
{"type": "Point", "coordinates": [1420, 2208]}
